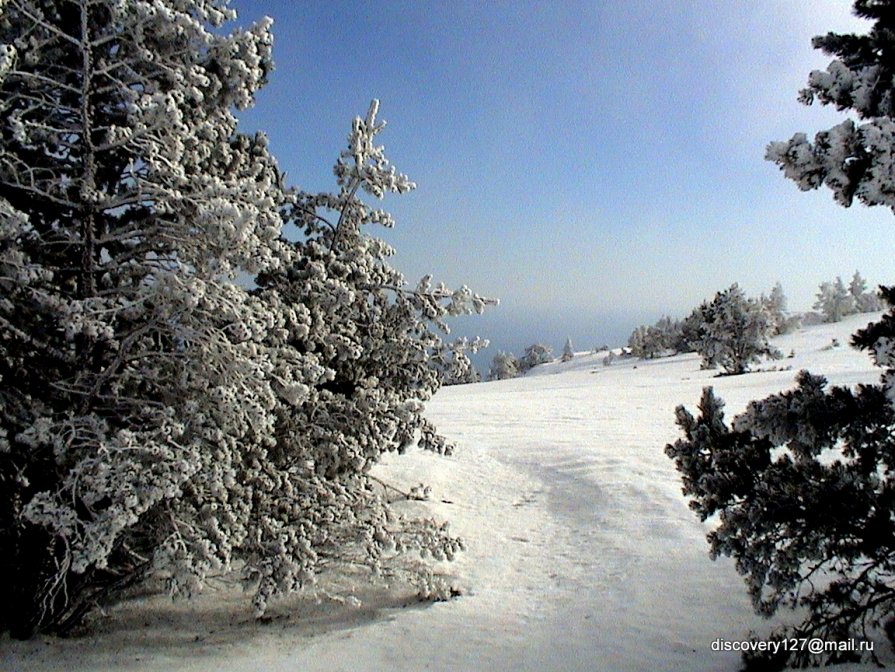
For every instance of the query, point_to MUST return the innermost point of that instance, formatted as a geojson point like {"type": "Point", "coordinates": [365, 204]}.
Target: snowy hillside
{"type": "Point", "coordinates": [582, 553]}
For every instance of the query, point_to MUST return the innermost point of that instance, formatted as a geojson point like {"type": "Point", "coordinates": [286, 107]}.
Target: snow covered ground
{"type": "Point", "coordinates": [582, 553]}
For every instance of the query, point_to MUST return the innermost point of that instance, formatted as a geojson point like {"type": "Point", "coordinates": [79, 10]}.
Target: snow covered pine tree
{"type": "Point", "coordinates": [357, 355]}
{"type": "Point", "coordinates": [733, 332]}
{"type": "Point", "coordinates": [143, 392]}
{"type": "Point", "coordinates": [129, 378]}
{"type": "Point", "coordinates": [803, 482]}
{"type": "Point", "coordinates": [775, 307]}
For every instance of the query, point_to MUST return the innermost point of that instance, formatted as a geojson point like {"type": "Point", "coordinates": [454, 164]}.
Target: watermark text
{"type": "Point", "coordinates": [813, 645]}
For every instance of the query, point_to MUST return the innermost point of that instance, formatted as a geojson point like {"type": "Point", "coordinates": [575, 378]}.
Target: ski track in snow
{"type": "Point", "coordinates": [582, 553]}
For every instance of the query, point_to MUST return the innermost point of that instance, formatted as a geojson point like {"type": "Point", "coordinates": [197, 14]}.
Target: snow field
{"type": "Point", "coordinates": [581, 551]}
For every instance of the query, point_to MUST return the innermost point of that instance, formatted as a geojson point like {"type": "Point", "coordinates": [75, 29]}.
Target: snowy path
{"type": "Point", "coordinates": [619, 573]}
{"type": "Point", "coordinates": [582, 554]}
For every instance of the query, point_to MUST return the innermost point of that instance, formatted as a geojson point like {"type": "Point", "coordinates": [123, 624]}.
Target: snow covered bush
{"type": "Point", "coordinates": [690, 331]}
{"type": "Point", "coordinates": [670, 336]}
{"type": "Point", "coordinates": [155, 416]}
{"type": "Point", "coordinates": [733, 332]}
{"type": "Point", "coordinates": [662, 338]}
{"type": "Point", "coordinates": [801, 484]}
{"type": "Point", "coordinates": [645, 342]}
{"type": "Point", "coordinates": [535, 354]}
{"type": "Point", "coordinates": [504, 365]}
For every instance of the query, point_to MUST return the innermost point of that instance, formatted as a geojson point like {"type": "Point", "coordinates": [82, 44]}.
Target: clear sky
{"type": "Point", "coordinates": [593, 164]}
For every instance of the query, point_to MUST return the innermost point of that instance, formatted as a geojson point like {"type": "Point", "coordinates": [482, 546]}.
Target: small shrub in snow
{"type": "Point", "coordinates": [811, 319]}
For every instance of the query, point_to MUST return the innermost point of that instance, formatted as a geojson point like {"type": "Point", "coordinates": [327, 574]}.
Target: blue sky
{"type": "Point", "coordinates": [592, 164]}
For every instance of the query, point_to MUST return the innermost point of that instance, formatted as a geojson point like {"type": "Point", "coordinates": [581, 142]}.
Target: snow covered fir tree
{"type": "Point", "coordinates": [567, 352]}
{"type": "Point", "coordinates": [158, 418]}
{"type": "Point", "coordinates": [775, 307]}
{"type": "Point", "coordinates": [802, 482]}
{"type": "Point", "coordinates": [865, 302]}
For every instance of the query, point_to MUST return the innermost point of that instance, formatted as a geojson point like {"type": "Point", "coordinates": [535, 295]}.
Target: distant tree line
{"type": "Point", "coordinates": [730, 331]}
{"type": "Point", "coordinates": [507, 365]}
{"type": "Point", "coordinates": [836, 301]}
